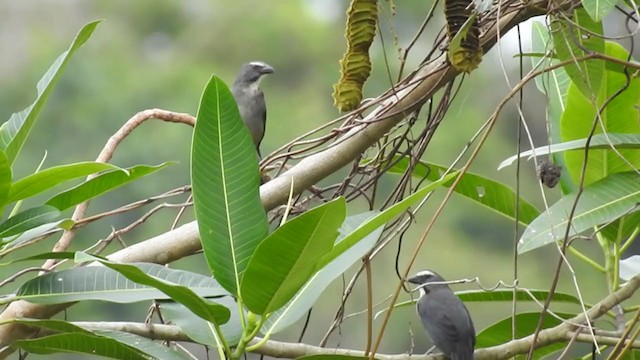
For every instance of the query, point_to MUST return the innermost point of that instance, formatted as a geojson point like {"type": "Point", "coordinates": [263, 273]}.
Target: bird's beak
{"type": "Point", "coordinates": [413, 280]}
{"type": "Point", "coordinates": [266, 69]}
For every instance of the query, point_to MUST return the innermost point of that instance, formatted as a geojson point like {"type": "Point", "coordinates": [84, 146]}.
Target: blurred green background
{"type": "Point", "coordinates": [160, 54]}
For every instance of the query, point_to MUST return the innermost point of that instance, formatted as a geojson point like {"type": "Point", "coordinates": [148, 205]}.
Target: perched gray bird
{"type": "Point", "coordinates": [250, 98]}
{"type": "Point", "coordinates": [445, 317]}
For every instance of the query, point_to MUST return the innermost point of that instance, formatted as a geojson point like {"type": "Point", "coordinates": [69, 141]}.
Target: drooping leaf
{"type": "Point", "coordinates": [83, 343]}
{"type": "Point", "coordinates": [571, 38]}
{"type": "Point", "coordinates": [287, 258]}
{"type": "Point", "coordinates": [226, 180]}
{"type": "Point", "coordinates": [600, 203]}
{"type": "Point", "coordinates": [101, 184]}
{"type": "Point", "coordinates": [619, 116]}
{"type": "Point", "coordinates": [105, 284]}
{"type": "Point", "coordinates": [490, 193]}
{"type": "Point", "coordinates": [48, 178]}
{"type": "Point", "coordinates": [125, 342]}
{"type": "Point", "coordinates": [14, 132]}
{"type": "Point", "coordinates": [311, 291]}
{"type": "Point", "coordinates": [27, 220]}
{"type": "Point", "coordinates": [200, 306]}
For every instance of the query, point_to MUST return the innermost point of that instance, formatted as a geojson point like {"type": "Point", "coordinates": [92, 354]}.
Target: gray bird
{"type": "Point", "coordinates": [445, 317]}
{"type": "Point", "coordinates": [250, 98]}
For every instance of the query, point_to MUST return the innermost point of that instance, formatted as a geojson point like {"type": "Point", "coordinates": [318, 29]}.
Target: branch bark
{"type": "Point", "coordinates": [563, 332]}
{"type": "Point", "coordinates": [184, 240]}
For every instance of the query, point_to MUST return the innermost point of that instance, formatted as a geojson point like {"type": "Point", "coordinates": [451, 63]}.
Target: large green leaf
{"type": "Point", "coordinates": [526, 323]}
{"type": "Point", "coordinates": [101, 184]}
{"type": "Point", "coordinates": [202, 331]}
{"type": "Point", "coordinates": [27, 220]}
{"type": "Point", "coordinates": [490, 193]}
{"type": "Point", "coordinates": [102, 283]}
{"type": "Point", "coordinates": [184, 295]}
{"type": "Point", "coordinates": [226, 180]}
{"type": "Point", "coordinates": [311, 291]}
{"type": "Point", "coordinates": [100, 339]}
{"type": "Point", "coordinates": [48, 178]}
{"type": "Point", "coordinates": [287, 258]}
{"type": "Point", "coordinates": [600, 203]}
{"type": "Point", "coordinates": [598, 9]}
{"type": "Point", "coordinates": [14, 132]}
{"type": "Point", "coordinates": [572, 39]}
{"type": "Point", "coordinates": [380, 219]}
{"type": "Point", "coordinates": [600, 141]}
{"type": "Point", "coordinates": [620, 116]}
{"type": "Point", "coordinates": [83, 343]}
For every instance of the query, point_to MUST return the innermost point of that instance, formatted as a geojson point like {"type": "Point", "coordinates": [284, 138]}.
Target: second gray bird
{"type": "Point", "coordinates": [250, 98]}
{"type": "Point", "coordinates": [444, 316]}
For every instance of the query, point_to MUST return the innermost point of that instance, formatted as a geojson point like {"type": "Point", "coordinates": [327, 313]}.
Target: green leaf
{"type": "Point", "coordinates": [105, 284]}
{"type": "Point", "coordinates": [184, 295]}
{"type": "Point", "coordinates": [620, 116]}
{"type": "Point", "coordinates": [526, 323]}
{"type": "Point", "coordinates": [598, 9]}
{"type": "Point", "coordinates": [381, 219]}
{"type": "Point", "coordinates": [156, 350]}
{"type": "Point", "coordinates": [311, 291]}
{"type": "Point", "coordinates": [226, 180]}
{"type": "Point", "coordinates": [14, 132]}
{"type": "Point", "coordinates": [492, 194]}
{"type": "Point", "coordinates": [202, 331]}
{"type": "Point", "coordinates": [84, 343]}
{"type": "Point", "coordinates": [600, 141]}
{"type": "Point", "coordinates": [600, 203]}
{"type": "Point", "coordinates": [586, 75]}
{"type": "Point", "coordinates": [43, 256]}
{"type": "Point", "coordinates": [5, 178]}
{"type": "Point", "coordinates": [101, 184]}
{"type": "Point", "coordinates": [27, 220]}
{"type": "Point", "coordinates": [298, 246]}
{"type": "Point", "coordinates": [125, 340]}
{"type": "Point", "coordinates": [38, 231]}
{"type": "Point", "coordinates": [629, 267]}
{"type": "Point", "coordinates": [48, 178]}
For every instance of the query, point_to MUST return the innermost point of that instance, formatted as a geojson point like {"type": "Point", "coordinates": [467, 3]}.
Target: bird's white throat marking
{"type": "Point", "coordinates": [422, 292]}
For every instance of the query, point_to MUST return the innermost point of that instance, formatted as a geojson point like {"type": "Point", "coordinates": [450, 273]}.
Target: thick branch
{"type": "Point", "coordinates": [560, 333]}
{"type": "Point", "coordinates": [183, 241]}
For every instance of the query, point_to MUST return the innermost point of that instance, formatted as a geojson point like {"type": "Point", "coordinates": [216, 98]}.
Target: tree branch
{"type": "Point", "coordinates": [184, 240]}
{"type": "Point", "coordinates": [560, 333]}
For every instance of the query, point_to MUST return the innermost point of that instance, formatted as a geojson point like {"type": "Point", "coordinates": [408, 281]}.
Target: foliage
{"type": "Point", "coordinates": [262, 278]}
